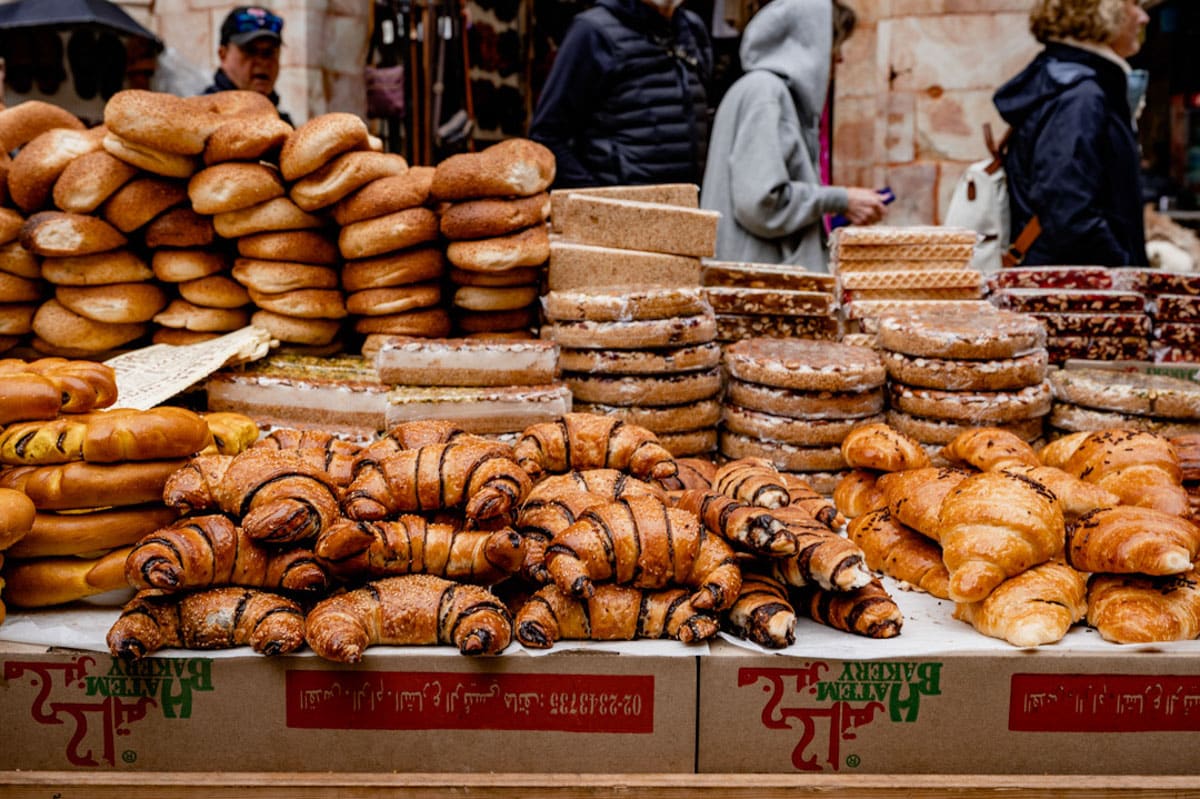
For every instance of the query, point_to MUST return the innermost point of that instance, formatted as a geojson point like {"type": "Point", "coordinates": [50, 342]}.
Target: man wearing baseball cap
{"type": "Point", "coordinates": [249, 53]}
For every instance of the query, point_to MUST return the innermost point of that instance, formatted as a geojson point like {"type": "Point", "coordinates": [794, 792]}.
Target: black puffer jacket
{"type": "Point", "coordinates": [625, 102]}
{"type": "Point", "coordinates": [1073, 159]}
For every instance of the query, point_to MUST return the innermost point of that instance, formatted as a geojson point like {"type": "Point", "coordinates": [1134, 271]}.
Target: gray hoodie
{"type": "Point", "coordinates": [763, 173]}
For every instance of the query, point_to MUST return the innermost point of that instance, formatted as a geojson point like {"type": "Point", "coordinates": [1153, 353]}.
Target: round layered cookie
{"type": "Point", "coordinates": [664, 419]}
{"type": "Point", "coordinates": [943, 431]}
{"type": "Point", "coordinates": [689, 442]}
{"type": "Point", "coordinates": [1128, 392]}
{"type": "Point", "coordinates": [804, 364]}
{"type": "Point", "coordinates": [800, 432]}
{"type": "Point", "coordinates": [1075, 419]}
{"type": "Point", "coordinates": [975, 407]}
{"type": "Point", "coordinates": [617, 305]}
{"type": "Point", "coordinates": [967, 375]}
{"type": "Point", "coordinates": [787, 457]}
{"type": "Point", "coordinates": [644, 390]}
{"type": "Point", "coordinates": [635, 335]}
{"type": "Point", "coordinates": [806, 404]}
{"type": "Point", "coordinates": [640, 362]}
{"type": "Point", "coordinates": [968, 334]}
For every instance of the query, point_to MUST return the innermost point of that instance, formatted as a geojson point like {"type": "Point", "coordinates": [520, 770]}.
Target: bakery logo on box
{"type": "Point", "coordinates": [97, 704]}
{"type": "Point", "coordinates": [827, 704]}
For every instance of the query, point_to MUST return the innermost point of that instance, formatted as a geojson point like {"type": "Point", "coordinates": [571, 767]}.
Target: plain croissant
{"type": "Point", "coordinates": [1076, 496]}
{"type": "Point", "coordinates": [858, 492]}
{"type": "Point", "coordinates": [1127, 539]}
{"type": "Point", "coordinates": [763, 613]}
{"type": "Point", "coordinates": [900, 552]}
{"type": "Point", "coordinates": [1037, 606]}
{"type": "Point", "coordinates": [1134, 609]}
{"type": "Point", "coordinates": [613, 613]}
{"type": "Point", "coordinates": [1140, 468]}
{"type": "Point", "coordinates": [915, 496]}
{"type": "Point", "coordinates": [411, 609]}
{"type": "Point", "coordinates": [883, 448]}
{"type": "Point", "coordinates": [987, 448]}
{"type": "Point", "coordinates": [592, 441]}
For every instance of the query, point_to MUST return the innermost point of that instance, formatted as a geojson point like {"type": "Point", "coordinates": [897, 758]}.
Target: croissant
{"type": "Point", "coordinates": [476, 475]}
{"type": "Point", "coordinates": [1140, 468]}
{"type": "Point", "coordinates": [190, 488]}
{"type": "Point", "coordinates": [605, 483]}
{"type": "Point", "coordinates": [278, 496]}
{"type": "Point", "coordinates": [858, 492]}
{"type": "Point", "coordinates": [754, 528]}
{"type": "Point", "coordinates": [638, 541]}
{"type": "Point", "coordinates": [692, 473]}
{"type": "Point", "coordinates": [823, 558]}
{"type": "Point", "coordinates": [414, 545]}
{"type": "Point", "coordinates": [801, 496]}
{"type": "Point", "coordinates": [318, 448]}
{"type": "Point", "coordinates": [995, 525]}
{"type": "Point", "coordinates": [592, 441]}
{"type": "Point", "coordinates": [1060, 450]}
{"type": "Point", "coordinates": [1128, 539]}
{"type": "Point", "coordinates": [915, 496]}
{"type": "Point", "coordinates": [1076, 496]}
{"type": "Point", "coordinates": [883, 448]}
{"type": "Point", "coordinates": [1037, 606]}
{"type": "Point", "coordinates": [613, 613]}
{"type": "Point", "coordinates": [410, 609]}
{"type": "Point", "coordinates": [869, 610]}
{"type": "Point", "coordinates": [988, 448]}
{"type": "Point", "coordinates": [900, 552]}
{"type": "Point", "coordinates": [753, 481]}
{"type": "Point", "coordinates": [1136, 609]}
{"type": "Point", "coordinates": [763, 613]}
{"type": "Point", "coordinates": [211, 550]}
{"type": "Point", "coordinates": [216, 618]}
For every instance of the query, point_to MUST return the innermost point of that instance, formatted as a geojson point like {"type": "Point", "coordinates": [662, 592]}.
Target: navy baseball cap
{"type": "Point", "coordinates": [247, 23]}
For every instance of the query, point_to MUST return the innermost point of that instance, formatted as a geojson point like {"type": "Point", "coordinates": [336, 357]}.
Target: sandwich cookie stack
{"type": "Point", "coordinates": [494, 212]}
{"type": "Point", "coordinates": [1173, 302]}
{"type": "Point", "coordinates": [755, 300]}
{"type": "Point", "coordinates": [793, 401]}
{"type": "Point", "coordinates": [488, 387]}
{"type": "Point", "coordinates": [903, 268]}
{"type": "Point", "coordinates": [1090, 399]}
{"type": "Point", "coordinates": [952, 370]}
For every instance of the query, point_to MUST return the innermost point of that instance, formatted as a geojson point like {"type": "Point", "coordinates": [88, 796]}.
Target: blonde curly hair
{"type": "Point", "coordinates": [1087, 20]}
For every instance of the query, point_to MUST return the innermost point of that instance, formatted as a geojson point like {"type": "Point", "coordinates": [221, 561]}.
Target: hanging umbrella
{"type": "Point", "coordinates": [100, 14]}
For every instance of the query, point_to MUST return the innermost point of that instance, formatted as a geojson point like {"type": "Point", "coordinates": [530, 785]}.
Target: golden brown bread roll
{"type": "Point", "coordinates": [514, 167]}
{"type": "Point", "coordinates": [1076, 496]}
{"type": "Point", "coordinates": [114, 266]}
{"type": "Point", "coordinates": [858, 492]}
{"type": "Point", "coordinates": [481, 219]}
{"type": "Point", "coordinates": [151, 159]}
{"type": "Point", "coordinates": [68, 334]}
{"type": "Point", "coordinates": [141, 199]}
{"type": "Point", "coordinates": [342, 175]}
{"type": "Point", "coordinates": [385, 196]}
{"type": "Point", "coordinates": [232, 186]}
{"type": "Point", "coordinates": [1140, 468]}
{"type": "Point", "coordinates": [89, 180]}
{"type": "Point", "coordinates": [43, 582]}
{"type": "Point", "coordinates": [33, 171]}
{"type": "Point", "coordinates": [1035, 607]}
{"type": "Point", "coordinates": [179, 124]}
{"type": "Point", "coordinates": [915, 496]}
{"type": "Point", "coordinates": [251, 138]}
{"type": "Point", "coordinates": [79, 484]}
{"type": "Point", "coordinates": [276, 277]}
{"type": "Point", "coordinates": [76, 533]}
{"type": "Point", "coordinates": [17, 513]}
{"type": "Point", "coordinates": [318, 141]}
{"type": "Point", "coordinates": [57, 233]}
{"type": "Point", "coordinates": [301, 246]}
{"type": "Point", "coordinates": [119, 434]}
{"type": "Point", "coordinates": [115, 303]}
{"type": "Point", "coordinates": [23, 122]}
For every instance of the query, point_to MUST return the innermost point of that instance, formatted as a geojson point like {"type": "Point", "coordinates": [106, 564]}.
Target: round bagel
{"type": "Point", "coordinates": [521, 276]}
{"type": "Point", "coordinates": [635, 335]}
{"type": "Point", "coordinates": [179, 337]}
{"type": "Point", "coordinates": [10, 225]}
{"type": "Point", "coordinates": [246, 139]}
{"type": "Point", "coordinates": [116, 303]}
{"type": "Point", "coordinates": [142, 199]}
{"type": "Point", "coordinates": [426, 323]}
{"type": "Point", "coordinates": [483, 219]}
{"type": "Point", "coordinates": [644, 390]}
{"type": "Point", "coordinates": [177, 266]}
{"type": "Point", "coordinates": [385, 301]}
{"type": "Point", "coordinates": [89, 180]}
{"type": "Point", "coordinates": [16, 260]}
{"type": "Point", "coordinates": [385, 196]}
{"type": "Point", "coordinates": [414, 265]}
{"type": "Point", "coordinates": [112, 266]}
{"type": "Point", "coordinates": [311, 332]}
{"type": "Point", "coordinates": [34, 170]}
{"type": "Point", "coordinates": [303, 303]}
{"type": "Point", "coordinates": [179, 124]}
{"type": "Point", "coordinates": [528, 247]}
{"type": "Point", "coordinates": [57, 233]}
{"type": "Point", "coordinates": [388, 233]}
{"type": "Point", "coordinates": [273, 215]}
{"type": "Point", "coordinates": [299, 246]}
{"type": "Point", "coordinates": [17, 320]}
{"type": "Point", "coordinates": [19, 289]}
{"type": "Point", "coordinates": [274, 277]}
{"type": "Point", "coordinates": [514, 167]}
{"type": "Point", "coordinates": [23, 122]}
{"type": "Point", "coordinates": [214, 291]}
{"type": "Point", "coordinates": [61, 327]}
{"type": "Point", "coordinates": [179, 227]}
{"type": "Point", "coordinates": [492, 321]}
{"type": "Point", "coordinates": [232, 186]}
{"type": "Point", "coordinates": [622, 305]}
{"type": "Point", "coordinates": [320, 139]}
{"type": "Point", "coordinates": [168, 165]}
{"type": "Point", "coordinates": [344, 174]}
{"type": "Point", "coordinates": [183, 314]}
{"type": "Point", "coordinates": [494, 298]}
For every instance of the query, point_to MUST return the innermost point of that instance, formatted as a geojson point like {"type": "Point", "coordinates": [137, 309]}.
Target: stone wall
{"type": "Point", "coordinates": [915, 90]}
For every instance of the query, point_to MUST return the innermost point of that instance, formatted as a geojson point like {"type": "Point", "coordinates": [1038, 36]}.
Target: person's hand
{"type": "Point", "coordinates": [865, 206]}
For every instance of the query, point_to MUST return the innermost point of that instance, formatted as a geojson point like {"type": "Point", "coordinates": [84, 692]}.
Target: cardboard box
{"type": "Point", "coordinates": [1018, 712]}
{"type": "Point", "coordinates": [412, 711]}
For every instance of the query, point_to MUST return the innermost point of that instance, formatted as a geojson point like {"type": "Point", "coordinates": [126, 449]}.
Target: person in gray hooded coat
{"type": "Point", "coordinates": [763, 173]}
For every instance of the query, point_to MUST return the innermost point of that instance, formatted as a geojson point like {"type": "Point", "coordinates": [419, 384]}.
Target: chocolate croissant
{"type": "Point", "coordinates": [638, 541]}
{"type": "Point", "coordinates": [216, 618]}
{"type": "Point", "coordinates": [869, 611]}
{"type": "Point", "coordinates": [823, 558]}
{"type": "Point", "coordinates": [612, 613]}
{"type": "Point", "coordinates": [753, 528]}
{"type": "Point", "coordinates": [1036, 607]}
{"type": "Point", "coordinates": [277, 495]}
{"type": "Point", "coordinates": [1127, 539]}
{"type": "Point", "coordinates": [802, 497]}
{"type": "Point", "coordinates": [414, 545]}
{"type": "Point", "coordinates": [753, 481]}
{"type": "Point", "coordinates": [319, 448]}
{"type": "Point", "coordinates": [592, 441]}
{"type": "Point", "coordinates": [900, 552]}
{"type": "Point", "coordinates": [1134, 609]}
{"type": "Point", "coordinates": [410, 609]}
{"type": "Point", "coordinates": [763, 613]}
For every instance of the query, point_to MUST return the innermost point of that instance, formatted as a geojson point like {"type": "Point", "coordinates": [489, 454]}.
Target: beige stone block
{"type": "Point", "coordinates": [899, 128]}
{"type": "Point", "coordinates": [961, 51]}
{"type": "Point", "coordinates": [189, 34]}
{"type": "Point", "coordinates": [859, 73]}
{"type": "Point", "coordinates": [344, 45]}
{"type": "Point", "coordinates": [986, 6]}
{"type": "Point", "coordinates": [917, 8]}
{"type": "Point", "coordinates": [854, 124]}
{"type": "Point", "coordinates": [292, 88]}
{"type": "Point", "coordinates": [950, 125]}
{"type": "Point", "coordinates": [347, 92]}
{"type": "Point", "coordinates": [915, 186]}
{"type": "Point", "coordinates": [350, 8]}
